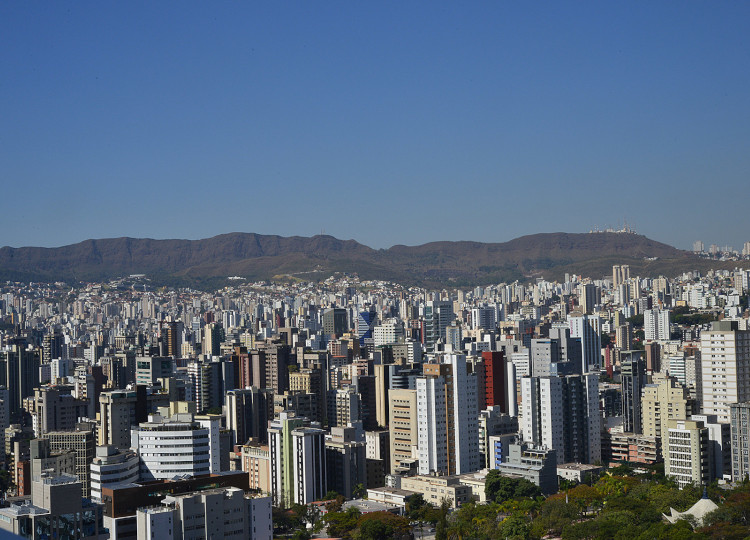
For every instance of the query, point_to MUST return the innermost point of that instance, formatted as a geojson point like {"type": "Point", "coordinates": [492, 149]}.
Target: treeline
{"type": "Point", "coordinates": [619, 505]}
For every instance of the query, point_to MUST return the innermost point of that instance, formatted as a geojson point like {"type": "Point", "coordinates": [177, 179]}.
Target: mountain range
{"type": "Point", "coordinates": [209, 262]}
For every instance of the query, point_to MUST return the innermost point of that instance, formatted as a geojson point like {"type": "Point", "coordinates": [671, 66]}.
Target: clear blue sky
{"type": "Point", "coordinates": [386, 122]}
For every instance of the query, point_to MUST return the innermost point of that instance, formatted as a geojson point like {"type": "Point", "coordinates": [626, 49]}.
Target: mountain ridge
{"type": "Point", "coordinates": [255, 256]}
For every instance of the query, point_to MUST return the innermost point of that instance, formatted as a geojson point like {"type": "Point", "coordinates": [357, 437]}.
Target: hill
{"type": "Point", "coordinates": [255, 256]}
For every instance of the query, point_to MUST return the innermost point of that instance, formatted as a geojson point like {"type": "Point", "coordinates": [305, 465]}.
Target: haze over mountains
{"type": "Point", "coordinates": [255, 257]}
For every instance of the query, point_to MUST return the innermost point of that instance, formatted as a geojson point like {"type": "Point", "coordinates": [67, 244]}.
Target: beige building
{"type": "Point", "coordinates": [402, 407]}
{"type": "Point", "coordinates": [686, 453]}
{"type": "Point", "coordinates": [435, 489]}
{"type": "Point", "coordinates": [256, 461]}
{"type": "Point", "coordinates": [663, 400]}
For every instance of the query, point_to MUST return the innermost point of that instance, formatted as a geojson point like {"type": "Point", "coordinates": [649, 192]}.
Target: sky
{"type": "Point", "coordinates": [385, 122]}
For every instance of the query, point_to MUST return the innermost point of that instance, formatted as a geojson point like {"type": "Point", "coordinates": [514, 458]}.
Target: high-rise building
{"type": "Point", "coordinates": [346, 459]}
{"type": "Point", "coordinates": [447, 411]}
{"type": "Point", "coordinates": [335, 322]}
{"type": "Point", "coordinates": [499, 382]}
{"type": "Point", "coordinates": [112, 466]}
{"type": "Point", "coordinates": [365, 323]}
{"type": "Point", "coordinates": [632, 379]}
{"type": "Point", "coordinates": [283, 454]}
{"type": "Point", "coordinates": [19, 373]}
{"type": "Point", "coordinates": [740, 433]}
{"type": "Point", "coordinates": [590, 298]}
{"type": "Point", "coordinates": [402, 406]}
{"type": "Point", "coordinates": [53, 408]}
{"type": "Point", "coordinates": [686, 453]}
{"type": "Point", "coordinates": [438, 315]}
{"type": "Point", "coordinates": [620, 274]}
{"type": "Point", "coordinates": [247, 414]}
{"type": "Point", "coordinates": [82, 442]}
{"type": "Point", "coordinates": [563, 413]}
{"type": "Point", "coordinates": [177, 445]}
{"type": "Point", "coordinates": [344, 406]}
{"type": "Point", "coordinates": [663, 400]}
{"type": "Point", "coordinates": [656, 324]}
{"type": "Point", "coordinates": [588, 328]}
{"type": "Point", "coordinates": [725, 368]}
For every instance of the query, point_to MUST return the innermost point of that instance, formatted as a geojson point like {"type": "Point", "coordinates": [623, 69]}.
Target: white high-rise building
{"type": "Point", "coordinates": [447, 418]}
{"type": "Point", "coordinates": [589, 329]}
{"type": "Point", "coordinates": [112, 466]}
{"type": "Point", "coordinates": [176, 445]}
{"type": "Point", "coordinates": [309, 464]}
{"type": "Point", "coordinates": [656, 324]}
{"type": "Point", "coordinates": [562, 413]}
{"type": "Point", "coordinates": [725, 368]}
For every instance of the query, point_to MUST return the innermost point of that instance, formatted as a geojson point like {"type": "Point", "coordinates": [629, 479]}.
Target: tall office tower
{"type": "Point", "coordinates": [438, 315]}
{"type": "Point", "coordinates": [365, 323]}
{"type": "Point", "coordinates": [563, 413]}
{"type": "Point", "coordinates": [52, 346]}
{"type": "Point", "coordinates": [346, 460]}
{"type": "Point", "coordinates": [656, 324]}
{"type": "Point", "coordinates": [19, 373]}
{"type": "Point", "coordinates": [168, 447]}
{"type": "Point", "coordinates": [499, 382]}
{"type": "Point", "coordinates": [171, 338]}
{"type": "Point", "coordinates": [277, 360]}
{"type": "Point", "coordinates": [112, 466]}
{"type": "Point", "coordinates": [402, 411]}
{"type": "Point", "coordinates": [484, 317]}
{"type": "Point", "coordinates": [686, 453]}
{"type": "Point", "coordinates": [335, 322]}
{"type": "Point", "coordinates": [282, 456]}
{"type": "Point", "coordinates": [588, 328]}
{"type": "Point", "coordinates": [663, 400]}
{"type": "Point", "coordinates": [589, 298]}
{"type": "Point", "coordinates": [633, 378]}
{"type": "Point", "coordinates": [447, 415]}
{"type": "Point", "coordinates": [206, 383]}
{"type": "Point", "coordinates": [740, 431]}
{"type": "Point", "coordinates": [247, 414]}
{"type": "Point", "coordinates": [213, 335]}
{"type": "Point", "coordinates": [725, 368]}
{"type": "Point", "coordinates": [344, 406]}
{"type": "Point", "coordinates": [82, 442]}
{"type": "Point", "coordinates": [624, 337]}
{"type": "Point", "coordinates": [365, 386]}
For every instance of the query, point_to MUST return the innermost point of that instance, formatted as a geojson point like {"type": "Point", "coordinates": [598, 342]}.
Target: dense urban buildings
{"type": "Point", "coordinates": [305, 389]}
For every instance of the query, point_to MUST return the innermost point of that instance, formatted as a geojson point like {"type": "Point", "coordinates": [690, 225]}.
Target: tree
{"type": "Point", "coordinates": [359, 491]}
{"type": "Point", "coordinates": [342, 524]}
{"type": "Point", "coordinates": [500, 488]}
{"type": "Point", "coordinates": [382, 526]}
{"type": "Point", "coordinates": [441, 527]}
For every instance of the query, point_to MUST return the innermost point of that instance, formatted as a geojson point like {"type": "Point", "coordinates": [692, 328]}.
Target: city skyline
{"type": "Point", "coordinates": [367, 121]}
